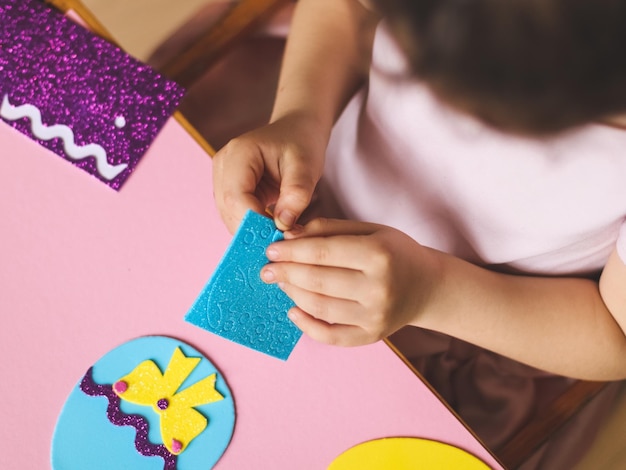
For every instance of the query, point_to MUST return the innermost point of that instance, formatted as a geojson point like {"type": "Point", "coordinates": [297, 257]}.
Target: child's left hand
{"type": "Point", "coordinates": [353, 282]}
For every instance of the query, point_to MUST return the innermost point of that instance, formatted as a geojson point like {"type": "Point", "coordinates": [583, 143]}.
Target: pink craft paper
{"type": "Point", "coordinates": [85, 269]}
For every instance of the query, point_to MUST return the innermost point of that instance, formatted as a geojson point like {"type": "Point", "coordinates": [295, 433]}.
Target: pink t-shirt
{"type": "Point", "coordinates": [399, 157]}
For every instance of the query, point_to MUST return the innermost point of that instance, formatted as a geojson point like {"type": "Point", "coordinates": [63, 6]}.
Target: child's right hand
{"type": "Point", "coordinates": [276, 165]}
{"type": "Point", "coordinates": [326, 61]}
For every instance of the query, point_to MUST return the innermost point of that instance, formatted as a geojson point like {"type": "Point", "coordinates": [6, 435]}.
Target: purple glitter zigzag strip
{"type": "Point", "coordinates": [119, 418]}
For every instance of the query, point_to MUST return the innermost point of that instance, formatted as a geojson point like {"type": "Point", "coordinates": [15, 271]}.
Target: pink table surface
{"type": "Point", "coordinates": [84, 269]}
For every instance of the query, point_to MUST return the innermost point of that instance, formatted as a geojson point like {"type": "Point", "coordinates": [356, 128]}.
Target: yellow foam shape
{"type": "Point", "coordinates": [405, 453]}
{"type": "Point", "coordinates": [180, 422]}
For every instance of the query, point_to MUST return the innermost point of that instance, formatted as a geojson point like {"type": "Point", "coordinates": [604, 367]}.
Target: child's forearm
{"type": "Point", "coordinates": [556, 324]}
{"type": "Point", "coordinates": [326, 59]}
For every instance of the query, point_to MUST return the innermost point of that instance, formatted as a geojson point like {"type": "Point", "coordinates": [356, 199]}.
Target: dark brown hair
{"type": "Point", "coordinates": [526, 66]}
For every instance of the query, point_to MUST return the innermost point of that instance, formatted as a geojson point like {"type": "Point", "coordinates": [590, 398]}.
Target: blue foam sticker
{"type": "Point", "coordinates": [237, 305]}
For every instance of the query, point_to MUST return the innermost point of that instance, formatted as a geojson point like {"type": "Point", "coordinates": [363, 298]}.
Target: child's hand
{"type": "Point", "coordinates": [353, 283]}
{"type": "Point", "coordinates": [277, 164]}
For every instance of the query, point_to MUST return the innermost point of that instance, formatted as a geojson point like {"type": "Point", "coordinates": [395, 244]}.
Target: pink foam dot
{"type": "Point", "coordinates": [177, 446]}
{"type": "Point", "coordinates": [120, 386]}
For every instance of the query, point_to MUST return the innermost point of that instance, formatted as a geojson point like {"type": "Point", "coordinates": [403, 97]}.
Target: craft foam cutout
{"type": "Point", "coordinates": [180, 423]}
{"type": "Point", "coordinates": [99, 429]}
{"type": "Point", "coordinates": [237, 305]}
{"type": "Point", "coordinates": [77, 94]}
{"type": "Point", "coordinates": [406, 453]}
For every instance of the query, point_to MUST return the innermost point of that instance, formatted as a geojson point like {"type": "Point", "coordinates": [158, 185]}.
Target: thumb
{"type": "Point", "coordinates": [296, 190]}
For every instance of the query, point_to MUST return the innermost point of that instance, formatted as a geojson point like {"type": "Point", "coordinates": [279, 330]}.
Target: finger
{"type": "Point", "coordinates": [323, 227]}
{"type": "Point", "coordinates": [296, 189]}
{"type": "Point", "coordinates": [319, 330]}
{"type": "Point", "coordinates": [328, 281]}
{"type": "Point", "coordinates": [235, 180]}
{"type": "Point", "coordinates": [332, 310]}
{"type": "Point", "coordinates": [341, 251]}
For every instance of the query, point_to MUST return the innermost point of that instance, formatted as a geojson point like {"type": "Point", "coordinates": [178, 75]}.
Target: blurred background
{"type": "Point", "coordinates": [141, 25]}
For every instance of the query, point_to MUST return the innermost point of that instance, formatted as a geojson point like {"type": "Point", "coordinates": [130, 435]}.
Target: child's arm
{"type": "Point", "coordinates": [563, 325]}
{"type": "Point", "coordinates": [613, 287]}
{"type": "Point", "coordinates": [326, 59]}
{"type": "Point", "coordinates": [355, 283]}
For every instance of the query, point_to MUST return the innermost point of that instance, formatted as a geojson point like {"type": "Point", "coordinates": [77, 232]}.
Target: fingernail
{"type": "Point", "coordinates": [268, 275]}
{"type": "Point", "coordinates": [287, 218]}
{"type": "Point", "coordinates": [271, 253]}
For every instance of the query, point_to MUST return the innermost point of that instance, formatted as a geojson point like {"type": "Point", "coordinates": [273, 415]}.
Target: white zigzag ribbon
{"type": "Point", "coordinates": [63, 132]}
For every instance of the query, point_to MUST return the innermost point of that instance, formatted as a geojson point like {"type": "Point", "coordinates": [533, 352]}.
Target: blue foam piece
{"type": "Point", "coordinates": [237, 305]}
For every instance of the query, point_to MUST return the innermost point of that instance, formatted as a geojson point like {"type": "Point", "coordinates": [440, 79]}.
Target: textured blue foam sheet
{"type": "Point", "coordinates": [237, 305]}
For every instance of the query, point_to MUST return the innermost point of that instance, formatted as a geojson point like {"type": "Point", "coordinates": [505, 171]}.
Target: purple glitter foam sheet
{"type": "Point", "coordinates": [77, 94]}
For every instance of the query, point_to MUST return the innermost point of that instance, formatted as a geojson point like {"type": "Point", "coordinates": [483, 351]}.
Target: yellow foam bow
{"type": "Point", "coordinates": [180, 422]}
